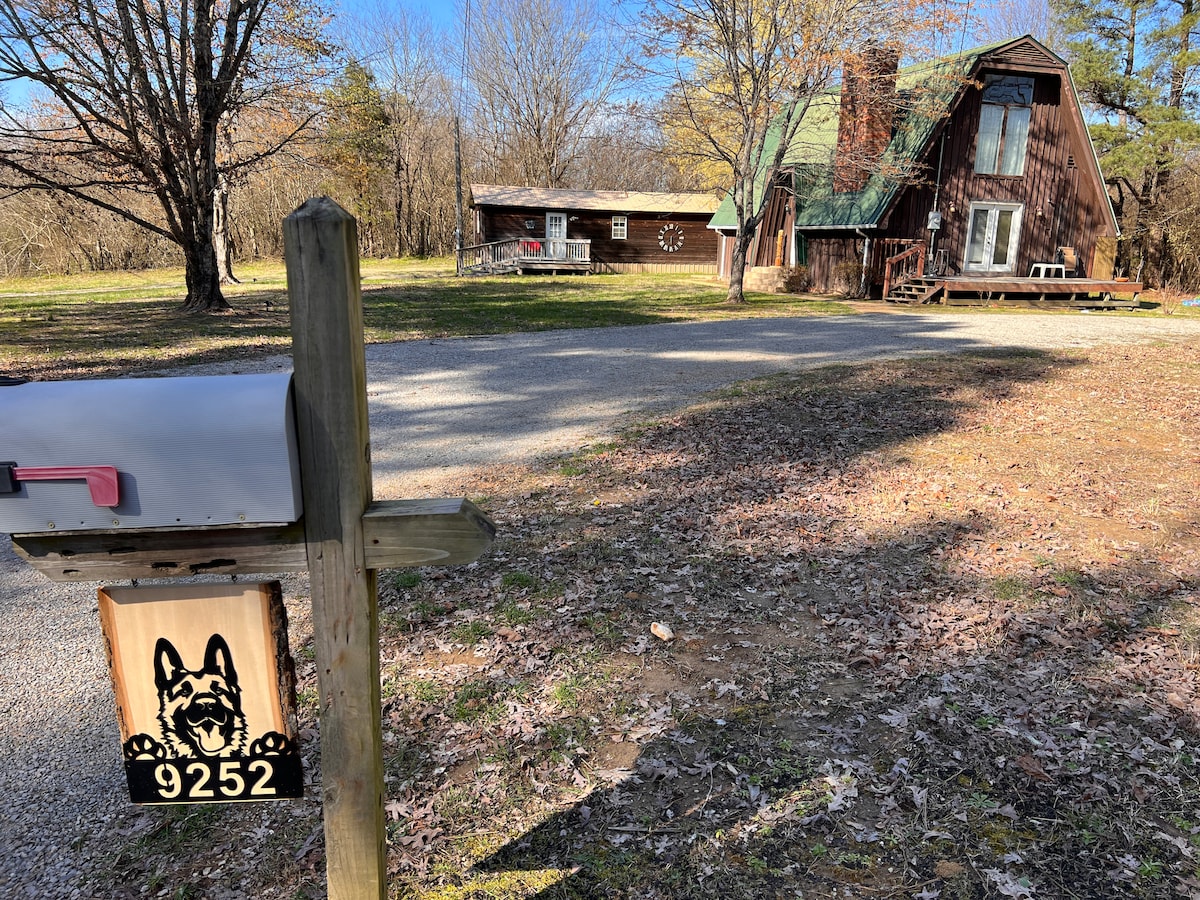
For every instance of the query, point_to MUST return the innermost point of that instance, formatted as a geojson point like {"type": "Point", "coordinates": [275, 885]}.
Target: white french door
{"type": "Point", "coordinates": [993, 232]}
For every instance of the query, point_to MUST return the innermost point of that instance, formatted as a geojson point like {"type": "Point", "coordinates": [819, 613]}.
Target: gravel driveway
{"type": "Point", "coordinates": [438, 408]}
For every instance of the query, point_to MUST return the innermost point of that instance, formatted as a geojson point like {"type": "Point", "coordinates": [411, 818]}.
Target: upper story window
{"type": "Point", "coordinates": [620, 228]}
{"type": "Point", "coordinates": [1004, 125]}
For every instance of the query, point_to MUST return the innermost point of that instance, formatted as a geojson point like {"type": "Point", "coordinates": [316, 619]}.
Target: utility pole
{"type": "Point", "coordinates": [458, 197]}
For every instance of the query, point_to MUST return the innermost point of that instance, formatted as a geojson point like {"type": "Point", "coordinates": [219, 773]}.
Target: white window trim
{"type": "Point", "coordinates": [620, 228]}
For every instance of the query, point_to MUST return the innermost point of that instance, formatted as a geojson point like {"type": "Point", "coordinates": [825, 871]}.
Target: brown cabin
{"type": "Point", "coordinates": [555, 230]}
{"type": "Point", "coordinates": [966, 179]}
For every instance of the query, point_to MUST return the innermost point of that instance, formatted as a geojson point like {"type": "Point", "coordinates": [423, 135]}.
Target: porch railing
{"type": "Point", "coordinates": [510, 253]}
{"type": "Point", "coordinates": [555, 249]}
{"type": "Point", "coordinates": [903, 266]}
{"type": "Point", "coordinates": [486, 256]}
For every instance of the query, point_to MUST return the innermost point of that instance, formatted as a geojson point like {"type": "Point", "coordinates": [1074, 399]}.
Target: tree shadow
{"type": "Point", "coordinates": [882, 765]}
{"type": "Point", "coordinates": [893, 712]}
{"type": "Point", "coordinates": [119, 336]}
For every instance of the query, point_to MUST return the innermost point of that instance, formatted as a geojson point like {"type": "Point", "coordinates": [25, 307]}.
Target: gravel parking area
{"type": "Point", "coordinates": [439, 409]}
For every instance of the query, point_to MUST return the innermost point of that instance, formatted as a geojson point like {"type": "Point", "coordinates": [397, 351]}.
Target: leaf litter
{"type": "Point", "coordinates": [934, 633]}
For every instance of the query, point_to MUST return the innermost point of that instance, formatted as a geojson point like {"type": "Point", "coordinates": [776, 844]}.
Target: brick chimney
{"type": "Point", "coordinates": [868, 109]}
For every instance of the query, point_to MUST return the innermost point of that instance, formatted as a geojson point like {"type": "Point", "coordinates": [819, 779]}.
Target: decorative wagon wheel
{"type": "Point", "coordinates": [670, 237]}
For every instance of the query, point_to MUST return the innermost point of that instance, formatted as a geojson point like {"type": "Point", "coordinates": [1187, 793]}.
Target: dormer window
{"type": "Point", "coordinates": [1004, 125]}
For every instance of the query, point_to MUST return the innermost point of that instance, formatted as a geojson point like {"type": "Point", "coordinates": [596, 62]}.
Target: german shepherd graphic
{"type": "Point", "coordinates": [200, 711]}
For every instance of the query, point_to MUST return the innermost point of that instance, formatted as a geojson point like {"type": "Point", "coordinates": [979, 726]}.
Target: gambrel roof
{"type": "Point", "coordinates": [927, 93]}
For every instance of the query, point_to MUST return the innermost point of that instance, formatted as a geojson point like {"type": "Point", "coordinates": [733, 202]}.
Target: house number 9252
{"type": "Point", "coordinates": [226, 779]}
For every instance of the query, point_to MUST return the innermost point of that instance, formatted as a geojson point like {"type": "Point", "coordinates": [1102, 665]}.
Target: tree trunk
{"type": "Point", "coordinates": [1144, 261]}
{"type": "Point", "coordinates": [398, 226]}
{"type": "Point", "coordinates": [202, 276]}
{"type": "Point", "coordinates": [400, 202]}
{"type": "Point", "coordinates": [409, 205]}
{"type": "Point", "coordinates": [222, 239]}
{"type": "Point", "coordinates": [737, 266]}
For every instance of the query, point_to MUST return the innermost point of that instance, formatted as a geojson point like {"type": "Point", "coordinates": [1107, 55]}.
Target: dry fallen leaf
{"type": "Point", "coordinates": [1032, 768]}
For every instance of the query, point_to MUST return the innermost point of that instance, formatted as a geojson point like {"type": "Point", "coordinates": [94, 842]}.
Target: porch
{"type": "Point", "coordinates": [968, 290]}
{"type": "Point", "coordinates": [905, 281]}
{"type": "Point", "coordinates": [522, 255]}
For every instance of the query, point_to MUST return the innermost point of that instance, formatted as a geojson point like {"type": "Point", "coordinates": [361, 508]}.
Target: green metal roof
{"type": "Point", "coordinates": [926, 91]}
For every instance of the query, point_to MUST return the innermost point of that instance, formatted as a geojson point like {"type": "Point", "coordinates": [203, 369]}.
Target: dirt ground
{"type": "Point", "coordinates": [933, 631]}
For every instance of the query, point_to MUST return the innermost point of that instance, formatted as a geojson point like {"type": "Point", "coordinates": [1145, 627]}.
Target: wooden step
{"type": "Point", "coordinates": [915, 290]}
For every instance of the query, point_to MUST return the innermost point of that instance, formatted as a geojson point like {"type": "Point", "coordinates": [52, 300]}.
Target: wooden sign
{"type": "Point", "coordinates": [205, 692]}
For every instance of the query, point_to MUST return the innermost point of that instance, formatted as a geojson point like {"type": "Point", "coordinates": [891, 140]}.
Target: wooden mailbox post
{"type": "Point", "coordinates": [343, 538]}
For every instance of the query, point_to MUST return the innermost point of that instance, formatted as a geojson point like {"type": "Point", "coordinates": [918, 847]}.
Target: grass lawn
{"type": "Point", "coordinates": [97, 325]}
{"type": "Point", "coordinates": [103, 324]}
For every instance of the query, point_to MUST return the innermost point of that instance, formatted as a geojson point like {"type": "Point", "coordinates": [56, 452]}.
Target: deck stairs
{"type": "Point", "coordinates": [498, 267]}
{"type": "Point", "coordinates": [916, 290]}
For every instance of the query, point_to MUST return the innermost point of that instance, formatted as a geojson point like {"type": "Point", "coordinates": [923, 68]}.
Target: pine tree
{"type": "Point", "coordinates": [1133, 62]}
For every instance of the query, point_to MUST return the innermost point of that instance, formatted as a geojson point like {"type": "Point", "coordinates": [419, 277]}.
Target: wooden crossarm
{"type": "Point", "coordinates": [396, 534]}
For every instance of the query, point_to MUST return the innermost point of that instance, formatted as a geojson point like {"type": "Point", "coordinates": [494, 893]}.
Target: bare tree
{"type": "Point", "coordinates": [1000, 20]}
{"type": "Point", "coordinates": [407, 56]}
{"type": "Point", "coordinates": [136, 92]}
{"type": "Point", "coordinates": [735, 70]}
{"type": "Point", "coordinates": [268, 194]}
{"type": "Point", "coordinates": [542, 71]}
{"type": "Point", "coordinates": [47, 232]}
{"type": "Point", "coordinates": [629, 151]}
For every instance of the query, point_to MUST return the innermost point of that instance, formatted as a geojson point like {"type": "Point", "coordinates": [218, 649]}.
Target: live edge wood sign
{"type": "Point", "coordinates": [205, 692]}
{"type": "Point", "coordinates": [184, 753]}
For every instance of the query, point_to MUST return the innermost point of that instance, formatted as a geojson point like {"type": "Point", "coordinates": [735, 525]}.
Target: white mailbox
{"type": "Point", "coordinates": [148, 453]}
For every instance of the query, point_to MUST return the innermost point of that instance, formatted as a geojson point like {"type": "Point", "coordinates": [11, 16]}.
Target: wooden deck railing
{"type": "Point", "coordinates": [511, 253]}
{"type": "Point", "coordinates": [904, 266]}
{"type": "Point", "coordinates": [572, 250]}
{"type": "Point", "coordinates": [484, 256]}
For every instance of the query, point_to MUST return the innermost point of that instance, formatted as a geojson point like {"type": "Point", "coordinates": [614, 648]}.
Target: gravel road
{"type": "Point", "coordinates": [438, 409]}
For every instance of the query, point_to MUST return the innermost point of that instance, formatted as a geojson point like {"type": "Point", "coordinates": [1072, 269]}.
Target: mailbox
{"type": "Point", "coordinates": [148, 453]}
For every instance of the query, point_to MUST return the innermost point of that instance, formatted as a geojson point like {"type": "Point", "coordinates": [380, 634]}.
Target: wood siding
{"type": "Point", "coordinates": [1060, 208]}
{"type": "Point", "coordinates": [777, 217]}
{"type": "Point", "coordinates": [639, 248]}
{"type": "Point", "coordinates": [1063, 200]}
{"type": "Point", "coordinates": [831, 258]}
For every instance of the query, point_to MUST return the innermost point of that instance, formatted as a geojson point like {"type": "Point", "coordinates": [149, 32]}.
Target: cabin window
{"type": "Point", "coordinates": [1004, 125]}
{"type": "Point", "coordinates": [620, 228]}
{"type": "Point", "coordinates": [801, 245]}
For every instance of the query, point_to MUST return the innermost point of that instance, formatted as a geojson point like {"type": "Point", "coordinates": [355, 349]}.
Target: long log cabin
{"type": "Point", "coordinates": [520, 229]}
{"type": "Point", "coordinates": [968, 179]}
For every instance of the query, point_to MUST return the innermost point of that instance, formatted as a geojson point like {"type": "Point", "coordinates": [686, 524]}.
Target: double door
{"type": "Point", "coordinates": [993, 233]}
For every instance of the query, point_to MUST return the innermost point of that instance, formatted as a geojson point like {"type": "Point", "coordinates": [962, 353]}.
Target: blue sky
{"type": "Point", "coordinates": [444, 14]}
{"type": "Point", "coordinates": [440, 13]}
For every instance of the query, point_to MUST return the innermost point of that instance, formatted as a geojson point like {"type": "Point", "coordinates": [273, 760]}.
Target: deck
{"type": "Point", "coordinates": [964, 290]}
{"type": "Point", "coordinates": [523, 255]}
